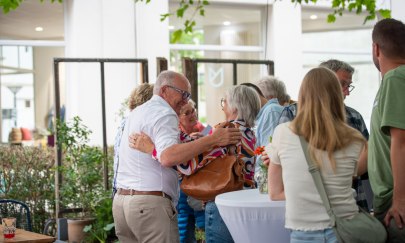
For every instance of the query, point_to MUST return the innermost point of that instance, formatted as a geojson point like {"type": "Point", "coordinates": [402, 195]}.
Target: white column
{"type": "Point", "coordinates": [397, 10]}
{"type": "Point", "coordinates": [44, 80]}
{"type": "Point", "coordinates": [152, 35]}
{"type": "Point", "coordinates": [284, 38]}
{"type": "Point", "coordinates": [99, 29]}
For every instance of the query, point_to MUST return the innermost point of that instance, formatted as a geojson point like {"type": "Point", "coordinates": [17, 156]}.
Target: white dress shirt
{"type": "Point", "coordinates": [139, 171]}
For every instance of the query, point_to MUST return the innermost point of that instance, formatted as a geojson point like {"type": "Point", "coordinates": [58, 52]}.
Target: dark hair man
{"type": "Point", "coordinates": [386, 153]}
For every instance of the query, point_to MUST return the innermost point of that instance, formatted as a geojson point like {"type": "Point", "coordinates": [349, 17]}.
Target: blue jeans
{"type": "Point", "coordinates": [316, 236]}
{"type": "Point", "coordinates": [215, 228]}
{"type": "Point", "coordinates": [188, 219]}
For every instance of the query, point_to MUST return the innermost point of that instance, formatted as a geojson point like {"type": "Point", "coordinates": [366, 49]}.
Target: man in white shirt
{"type": "Point", "coordinates": [144, 206]}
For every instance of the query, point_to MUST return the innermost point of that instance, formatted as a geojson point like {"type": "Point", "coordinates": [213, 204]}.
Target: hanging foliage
{"type": "Point", "coordinates": [197, 7]}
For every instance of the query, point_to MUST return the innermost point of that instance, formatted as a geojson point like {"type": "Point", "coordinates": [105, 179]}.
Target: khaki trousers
{"type": "Point", "coordinates": [144, 219]}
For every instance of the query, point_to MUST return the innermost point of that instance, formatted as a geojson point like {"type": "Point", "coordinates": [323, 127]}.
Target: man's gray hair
{"type": "Point", "coordinates": [246, 101]}
{"type": "Point", "coordinates": [165, 78]}
{"type": "Point", "coordinates": [271, 87]}
{"type": "Point", "coordinates": [336, 65]}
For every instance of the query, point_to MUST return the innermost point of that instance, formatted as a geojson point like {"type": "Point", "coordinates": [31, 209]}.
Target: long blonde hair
{"type": "Point", "coordinates": [321, 117]}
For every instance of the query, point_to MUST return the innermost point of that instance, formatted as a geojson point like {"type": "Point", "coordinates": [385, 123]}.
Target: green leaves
{"type": "Point", "coordinates": [331, 18]}
{"type": "Point", "coordinates": [82, 165]}
{"type": "Point", "coordinates": [176, 36]}
{"type": "Point", "coordinates": [104, 223]}
{"type": "Point", "coordinates": [109, 227]}
{"type": "Point", "coordinates": [189, 23]}
{"type": "Point", "coordinates": [180, 11]}
{"type": "Point", "coordinates": [146, 1]}
{"type": "Point", "coordinates": [26, 174]}
{"type": "Point", "coordinates": [187, 10]}
{"type": "Point", "coordinates": [8, 5]}
{"type": "Point", "coordinates": [340, 6]}
{"type": "Point", "coordinates": [189, 26]}
{"type": "Point", "coordinates": [163, 17]}
{"type": "Point", "coordinates": [385, 13]}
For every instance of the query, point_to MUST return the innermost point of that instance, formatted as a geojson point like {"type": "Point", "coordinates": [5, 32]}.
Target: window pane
{"type": "Point", "coordinates": [223, 24]}
{"type": "Point", "coordinates": [17, 91]}
{"type": "Point", "coordinates": [322, 46]}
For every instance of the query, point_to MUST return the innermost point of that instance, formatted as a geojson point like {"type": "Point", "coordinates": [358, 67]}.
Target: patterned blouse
{"type": "Point", "coordinates": [245, 150]}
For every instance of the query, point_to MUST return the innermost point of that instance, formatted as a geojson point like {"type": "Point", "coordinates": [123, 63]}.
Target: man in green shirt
{"type": "Point", "coordinates": [386, 153]}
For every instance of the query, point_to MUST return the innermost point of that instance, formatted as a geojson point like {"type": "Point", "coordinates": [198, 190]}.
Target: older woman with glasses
{"type": "Point", "coordinates": [241, 105]}
{"type": "Point", "coordinates": [188, 218]}
{"type": "Point", "coordinates": [188, 121]}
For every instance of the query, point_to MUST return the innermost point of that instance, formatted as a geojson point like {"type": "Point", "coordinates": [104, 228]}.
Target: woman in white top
{"type": "Point", "coordinates": [333, 145]}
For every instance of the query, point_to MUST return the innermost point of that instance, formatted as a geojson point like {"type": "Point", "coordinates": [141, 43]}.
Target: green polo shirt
{"type": "Point", "coordinates": [388, 111]}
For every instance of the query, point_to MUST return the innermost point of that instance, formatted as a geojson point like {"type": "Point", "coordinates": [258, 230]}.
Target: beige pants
{"type": "Point", "coordinates": [145, 219]}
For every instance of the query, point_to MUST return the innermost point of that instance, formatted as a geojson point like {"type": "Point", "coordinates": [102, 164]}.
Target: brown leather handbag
{"type": "Point", "coordinates": [220, 175]}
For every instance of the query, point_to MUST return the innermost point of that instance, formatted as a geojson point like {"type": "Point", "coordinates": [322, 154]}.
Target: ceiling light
{"type": "Point", "coordinates": [39, 29]}
{"type": "Point", "coordinates": [313, 16]}
{"type": "Point", "coordinates": [226, 23]}
{"type": "Point", "coordinates": [171, 27]}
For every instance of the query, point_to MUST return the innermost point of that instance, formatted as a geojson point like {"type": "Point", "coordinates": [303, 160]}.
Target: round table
{"type": "Point", "coordinates": [253, 217]}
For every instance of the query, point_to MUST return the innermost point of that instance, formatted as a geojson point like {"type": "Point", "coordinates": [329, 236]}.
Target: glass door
{"type": "Point", "coordinates": [16, 90]}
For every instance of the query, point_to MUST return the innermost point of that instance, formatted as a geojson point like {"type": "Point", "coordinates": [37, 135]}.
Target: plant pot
{"type": "Point", "coordinates": [75, 229]}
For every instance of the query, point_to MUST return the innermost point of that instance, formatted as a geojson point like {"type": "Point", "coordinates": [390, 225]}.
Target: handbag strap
{"type": "Point", "coordinates": [316, 175]}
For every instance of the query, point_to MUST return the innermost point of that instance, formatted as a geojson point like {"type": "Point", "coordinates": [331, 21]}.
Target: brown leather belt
{"type": "Point", "coordinates": [134, 192]}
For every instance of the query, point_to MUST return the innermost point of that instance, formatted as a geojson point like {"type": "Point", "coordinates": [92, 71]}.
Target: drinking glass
{"type": "Point", "coordinates": [9, 227]}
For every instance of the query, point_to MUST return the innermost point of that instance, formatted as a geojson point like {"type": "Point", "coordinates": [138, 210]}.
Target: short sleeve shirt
{"type": "Point", "coordinates": [140, 171]}
{"type": "Point", "coordinates": [304, 207]}
{"type": "Point", "coordinates": [388, 111]}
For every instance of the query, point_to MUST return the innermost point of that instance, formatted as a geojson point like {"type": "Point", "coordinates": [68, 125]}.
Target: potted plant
{"type": "Point", "coordinates": [102, 228]}
{"type": "Point", "coordinates": [81, 175]}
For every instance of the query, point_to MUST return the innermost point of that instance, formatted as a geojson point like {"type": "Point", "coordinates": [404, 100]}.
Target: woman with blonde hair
{"type": "Point", "coordinates": [333, 145]}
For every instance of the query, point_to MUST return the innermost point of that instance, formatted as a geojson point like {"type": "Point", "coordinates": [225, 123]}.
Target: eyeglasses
{"type": "Point", "coordinates": [184, 94]}
{"type": "Point", "coordinates": [222, 102]}
{"type": "Point", "coordinates": [348, 87]}
{"type": "Point", "coordinates": [190, 112]}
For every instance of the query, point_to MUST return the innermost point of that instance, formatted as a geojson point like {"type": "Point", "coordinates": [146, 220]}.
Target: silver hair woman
{"type": "Point", "coordinates": [271, 88]}
{"type": "Point", "coordinates": [242, 103]}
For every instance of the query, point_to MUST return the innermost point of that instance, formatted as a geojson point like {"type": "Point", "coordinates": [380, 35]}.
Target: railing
{"type": "Point", "coordinates": [145, 79]}
{"type": "Point", "coordinates": [190, 70]}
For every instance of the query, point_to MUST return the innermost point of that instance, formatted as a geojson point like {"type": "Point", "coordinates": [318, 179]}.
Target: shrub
{"type": "Point", "coordinates": [27, 174]}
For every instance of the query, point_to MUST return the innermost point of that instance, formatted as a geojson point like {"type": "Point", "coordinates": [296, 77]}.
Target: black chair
{"type": "Point", "coordinates": [18, 210]}
{"type": "Point", "coordinates": [57, 228]}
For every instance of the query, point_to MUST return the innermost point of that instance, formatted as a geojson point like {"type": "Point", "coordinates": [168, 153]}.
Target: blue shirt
{"type": "Point", "coordinates": [267, 120]}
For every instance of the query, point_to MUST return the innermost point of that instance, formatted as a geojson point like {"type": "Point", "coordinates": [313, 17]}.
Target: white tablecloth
{"type": "Point", "coordinates": [253, 217]}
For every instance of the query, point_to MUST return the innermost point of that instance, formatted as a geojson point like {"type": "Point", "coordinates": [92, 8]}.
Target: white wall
{"type": "Point", "coordinates": [284, 44]}
{"type": "Point", "coordinates": [246, 34]}
{"type": "Point", "coordinates": [397, 10]}
{"type": "Point", "coordinates": [152, 35]}
{"type": "Point", "coordinates": [43, 82]}
{"type": "Point", "coordinates": [109, 29]}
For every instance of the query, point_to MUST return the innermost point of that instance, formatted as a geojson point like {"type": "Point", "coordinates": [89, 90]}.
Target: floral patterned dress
{"type": "Point", "coordinates": [245, 150]}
